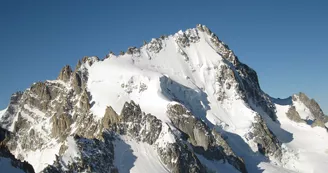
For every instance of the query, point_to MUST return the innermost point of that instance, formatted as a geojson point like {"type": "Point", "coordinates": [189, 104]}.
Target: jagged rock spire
{"type": "Point", "coordinates": [132, 50]}
{"type": "Point", "coordinates": [84, 101]}
{"type": "Point", "coordinates": [78, 65]}
{"type": "Point", "coordinates": [110, 117]}
{"type": "Point", "coordinates": [65, 73]}
{"type": "Point", "coordinates": [77, 82]}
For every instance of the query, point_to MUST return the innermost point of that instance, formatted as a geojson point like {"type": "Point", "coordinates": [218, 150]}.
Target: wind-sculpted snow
{"type": "Point", "coordinates": [179, 103]}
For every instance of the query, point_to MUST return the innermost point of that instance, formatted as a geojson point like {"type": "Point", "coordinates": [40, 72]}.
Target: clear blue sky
{"type": "Point", "coordinates": [285, 42]}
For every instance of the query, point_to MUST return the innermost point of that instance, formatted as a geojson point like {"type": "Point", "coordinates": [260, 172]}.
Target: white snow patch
{"type": "Point", "coordinates": [2, 112]}
{"type": "Point", "coordinates": [34, 110]}
{"type": "Point", "coordinates": [302, 110]}
{"type": "Point", "coordinates": [132, 156]}
{"type": "Point", "coordinates": [72, 151]}
{"type": "Point", "coordinates": [40, 159]}
{"type": "Point", "coordinates": [272, 168]}
{"type": "Point", "coordinates": [165, 137]}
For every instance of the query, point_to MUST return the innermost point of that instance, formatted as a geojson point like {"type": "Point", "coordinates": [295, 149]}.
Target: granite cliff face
{"type": "Point", "coordinates": [185, 99]}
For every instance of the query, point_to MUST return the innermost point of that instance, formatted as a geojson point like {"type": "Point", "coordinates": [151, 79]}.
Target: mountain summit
{"type": "Point", "coordinates": [180, 103]}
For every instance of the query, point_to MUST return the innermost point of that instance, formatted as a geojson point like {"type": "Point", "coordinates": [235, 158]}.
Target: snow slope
{"type": "Point", "coordinates": [41, 158]}
{"type": "Point", "coordinates": [308, 144]}
{"type": "Point", "coordinates": [2, 112]}
{"type": "Point", "coordinates": [132, 156]}
{"type": "Point", "coordinates": [196, 75]}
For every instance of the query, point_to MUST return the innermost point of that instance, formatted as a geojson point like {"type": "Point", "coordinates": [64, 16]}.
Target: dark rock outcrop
{"type": "Point", "coordinates": [319, 117]}
{"type": "Point", "coordinates": [110, 118]}
{"type": "Point", "coordinates": [184, 39]}
{"type": "Point", "coordinates": [155, 45]}
{"type": "Point", "coordinates": [96, 156]}
{"type": "Point", "coordinates": [90, 60]}
{"type": "Point", "coordinates": [293, 115]}
{"type": "Point", "coordinates": [179, 159]}
{"type": "Point", "coordinates": [78, 66]}
{"type": "Point", "coordinates": [61, 125]}
{"type": "Point", "coordinates": [133, 51]}
{"type": "Point", "coordinates": [177, 156]}
{"type": "Point", "coordinates": [267, 143]}
{"type": "Point", "coordinates": [20, 123]}
{"type": "Point", "coordinates": [7, 118]}
{"type": "Point", "coordinates": [141, 126]}
{"type": "Point", "coordinates": [65, 73]}
{"type": "Point", "coordinates": [204, 141]}
{"type": "Point", "coordinates": [41, 94]}
{"type": "Point", "coordinates": [311, 104]}
{"type": "Point", "coordinates": [197, 131]}
{"type": "Point", "coordinates": [251, 92]}
{"type": "Point", "coordinates": [88, 127]}
{"type": "Point", "coordinates": [41, 90]}
{"type": "Point", "coordinates": [84, 102]}
{"type": "Point", "coordinates": [318, 123]}
{"type": "Point", "coordinates": [77, 82]}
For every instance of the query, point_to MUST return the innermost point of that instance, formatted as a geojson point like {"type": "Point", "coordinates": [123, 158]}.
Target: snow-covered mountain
{"type": "Point", "coordinates": [180, 103]}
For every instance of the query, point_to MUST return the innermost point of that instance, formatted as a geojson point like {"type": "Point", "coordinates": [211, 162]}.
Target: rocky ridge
{"type": "Point", "coordinates": [317, 115]}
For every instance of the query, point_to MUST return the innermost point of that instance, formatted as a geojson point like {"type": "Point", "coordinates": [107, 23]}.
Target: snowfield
{"type": "Point", "coordinates": [132, 156]}
{"type": "Point", "coordinates": [308, 144]}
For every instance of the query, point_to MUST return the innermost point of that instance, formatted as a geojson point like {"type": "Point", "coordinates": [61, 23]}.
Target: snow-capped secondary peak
{"type": "Point", "coordinates": [180, 103]}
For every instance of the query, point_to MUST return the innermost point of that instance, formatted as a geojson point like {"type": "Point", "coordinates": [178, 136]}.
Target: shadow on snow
{"type": "Point", "coordinates": [195, 100]}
